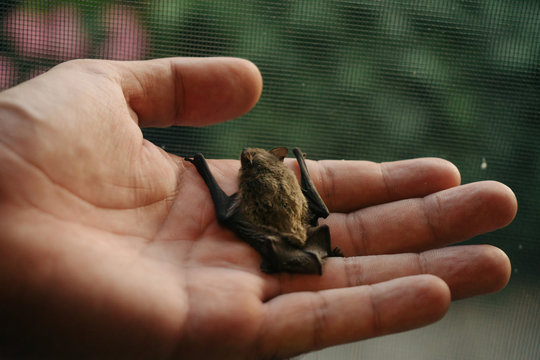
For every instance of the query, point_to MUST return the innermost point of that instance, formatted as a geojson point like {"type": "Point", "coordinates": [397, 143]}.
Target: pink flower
{"type": "Point", "coordinates": [57, 34]}
{"type": "Point", "coordinates": [28, 33]}
{"type": "Point", "coordinates": [67, 37]}
{"type": "Point", "coordinates": [126, 38]}
{"type": "Point", "coordinates": [8, 73]}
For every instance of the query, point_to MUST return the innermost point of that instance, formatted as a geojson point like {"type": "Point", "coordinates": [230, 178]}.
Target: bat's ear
{"type": "Point", "coordinates": [280, 152]}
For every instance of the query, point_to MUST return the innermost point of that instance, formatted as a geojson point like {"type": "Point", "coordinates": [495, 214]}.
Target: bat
{"type": "Point", "coordinates": [272, 212]}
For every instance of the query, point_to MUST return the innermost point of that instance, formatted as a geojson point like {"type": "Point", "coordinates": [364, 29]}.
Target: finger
{"type": "Point", "coordinates": [306, 321]}
{"type": "Point", "coordinates": [189, 91]}
{"type": "Point", "coordinates": [467, 270]}
{"type": "Point", "coordinates": [348, 185]}
{"type": "Point", "coordinates": [413, 225]}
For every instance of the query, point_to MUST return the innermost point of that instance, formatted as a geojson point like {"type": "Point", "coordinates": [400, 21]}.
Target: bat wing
{"type": "Point", "coordinates": [308, 260]}
{"type": "Point", "coordinates": [278, 255]}
{"type": "Point", "coordinates": [318, 241]}
{"type": "Point", "coordinates": [317, 207]}
{"type": "Point", "coordinates": [222, 202]}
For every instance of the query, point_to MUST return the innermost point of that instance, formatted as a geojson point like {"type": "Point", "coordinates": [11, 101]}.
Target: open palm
{"type": "Point", "coordinates": [110, 246]}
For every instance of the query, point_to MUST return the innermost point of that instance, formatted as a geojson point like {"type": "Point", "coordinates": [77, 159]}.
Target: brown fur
{"type": "Point", "coordinates": [270, 196]}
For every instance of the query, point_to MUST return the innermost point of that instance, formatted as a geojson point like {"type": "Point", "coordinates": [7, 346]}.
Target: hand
{"type": "Point", "coordinates": [110, 247]}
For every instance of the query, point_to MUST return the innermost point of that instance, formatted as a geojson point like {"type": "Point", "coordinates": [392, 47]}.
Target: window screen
{"type": "Point", "coordinates": [378, 80]}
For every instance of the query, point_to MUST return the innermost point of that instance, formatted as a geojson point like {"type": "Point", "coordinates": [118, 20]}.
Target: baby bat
{"type": "Point", "coordinates": [272, 212]}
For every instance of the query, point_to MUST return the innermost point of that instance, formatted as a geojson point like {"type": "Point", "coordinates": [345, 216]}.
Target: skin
{"type": "Point", "coordinates": [109, 246]}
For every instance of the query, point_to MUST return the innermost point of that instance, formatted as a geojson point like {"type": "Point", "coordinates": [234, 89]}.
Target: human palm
{"type": "Point", "coordinates": [110, 246]}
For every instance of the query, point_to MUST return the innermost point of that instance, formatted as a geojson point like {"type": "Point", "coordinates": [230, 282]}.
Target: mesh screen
{"type": "Point", "coordinates": [374, 80]}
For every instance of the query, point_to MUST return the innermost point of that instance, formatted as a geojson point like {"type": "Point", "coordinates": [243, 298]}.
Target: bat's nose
{"type": "Point", "coordinates": [246, 157]}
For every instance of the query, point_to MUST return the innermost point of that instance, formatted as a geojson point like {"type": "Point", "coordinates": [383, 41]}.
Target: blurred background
{"type": "Point", "coordinates": [377, 80]}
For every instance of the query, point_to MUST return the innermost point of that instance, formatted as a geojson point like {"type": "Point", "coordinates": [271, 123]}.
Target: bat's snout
{"type": "Point", "coordinates": [246, 158]}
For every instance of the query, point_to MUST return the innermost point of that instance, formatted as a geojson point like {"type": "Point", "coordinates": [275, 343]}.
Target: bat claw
{"type": "Point", "coordinates": [336, 252]}
{"type": "Point", "coordinates": [194, 159]}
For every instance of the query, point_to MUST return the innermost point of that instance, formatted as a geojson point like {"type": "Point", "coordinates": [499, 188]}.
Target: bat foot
{"type": "Point", "coordinates": [193, 158]}
{"type": "Point", "coordinates": [336, 253]}
{"type": "Point", "coordinates": [198, 160]}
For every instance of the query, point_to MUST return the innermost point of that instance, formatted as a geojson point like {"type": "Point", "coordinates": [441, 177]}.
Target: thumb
{"type": "Point", "coordinates": [189, 91]}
